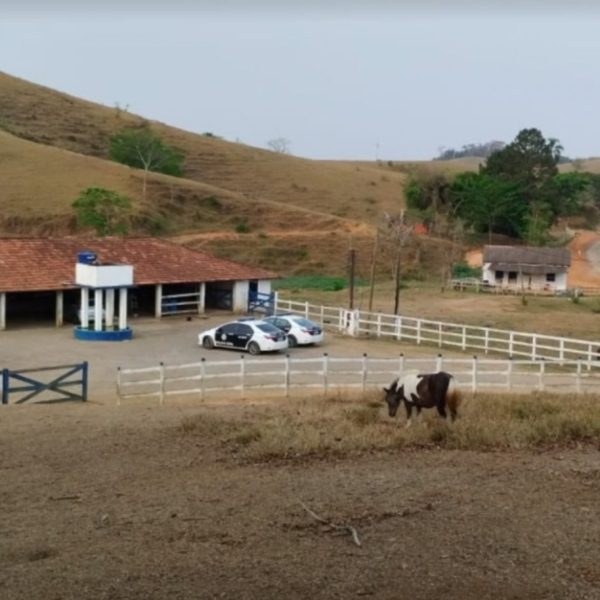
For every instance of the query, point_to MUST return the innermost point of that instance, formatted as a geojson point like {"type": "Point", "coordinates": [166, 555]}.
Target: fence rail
{"type": "Point", "coordinates": [532, 346]}
{"type": "Point", "coordinates": [325, 373]}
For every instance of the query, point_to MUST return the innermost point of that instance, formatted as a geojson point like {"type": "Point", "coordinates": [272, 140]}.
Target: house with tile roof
{"type": "Point", "coordinates": [37, 277]}
{"type": "Point", "coordinates": [526, 267]}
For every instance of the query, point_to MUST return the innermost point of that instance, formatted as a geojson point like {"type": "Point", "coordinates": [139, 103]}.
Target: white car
{"type": "Point", "coordinates": [253, 335]}
{"type": "Point", "coordinates": [300, 331]}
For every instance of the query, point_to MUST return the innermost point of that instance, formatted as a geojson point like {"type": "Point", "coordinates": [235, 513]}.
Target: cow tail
{"type": "Point", "coordinates": [453, 396]}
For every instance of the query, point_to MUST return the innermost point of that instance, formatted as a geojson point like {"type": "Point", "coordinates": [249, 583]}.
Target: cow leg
{"type": "Point", "coordinates": [408, 407]}
{"type": "Point", "coordinates": [442, 409]}
{"type": "Point", "coordinates": [453, 414]}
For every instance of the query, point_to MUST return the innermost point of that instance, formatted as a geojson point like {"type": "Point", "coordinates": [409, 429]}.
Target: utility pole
{"type": "Point", "coordinates": [351, 278]}
{"type": "Point", "coordinates": [373, 261]}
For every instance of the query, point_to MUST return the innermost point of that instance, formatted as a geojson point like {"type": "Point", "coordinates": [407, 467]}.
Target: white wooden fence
{"type": "Point", "coordinates": [284, 374]}
{"type": "Point", "coordinates": [449, 335]}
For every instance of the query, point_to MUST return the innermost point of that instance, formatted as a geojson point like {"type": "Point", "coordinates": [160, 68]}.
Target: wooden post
{"type": "Point", "coordinates": [158, 300]}
{"type": "Point", "coordinates": [510, 343]}
{"type": "Point", "coordinates": [533, 347]}
{"type": "Point", "coordinates": [418, 331]}
{"type": "Point", "coordinates": [118, 386]}
{"type": "Point", "coordinates": [379, 324]}
{"type": "Point", "coordinates": [364, 372]}
{"type": "Point", "coordinates": [439, 334]}
{"type": "Point", "coordinates": [242, 376]}
{"type": "Point", "coordinates": [287, 376]}
{"type": "Point", "coordinates": [325, 373]}
{"type": "Point", "coordinates": [486, 340]}
{"type": "Point", "coordinates": [162, 383]}
{"type": "Point", "coordinates": [474, 375]}
{"type": "Point", "coordinates": [438, 363]}
{"type": "Point", "coordinates": [59, 309]}
{"type": "Point", "coordinates": [398, 328]}
{"type": "Point", "coordinates": [541, 375]}
{"type": "Point", "coordinates": [401, 365]}
{"type": "Point", "coordinates": [464, 338]}
{"type": "Point", "coordinates": [562, 351]}
{"type": "Point", "coordinates": [202, 378]}
{"type": "Point", "coordinates": [509, 373]}
{"type": "Point", "coordinates": [578, 377]}
{"type": "Point", "coordinates": [373, 261]}
{"type": "Point", "coordinates": [351, 275]}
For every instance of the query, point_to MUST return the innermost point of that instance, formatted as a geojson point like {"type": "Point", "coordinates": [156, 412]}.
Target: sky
{"type": "Point", "coordinates": [358, 80]}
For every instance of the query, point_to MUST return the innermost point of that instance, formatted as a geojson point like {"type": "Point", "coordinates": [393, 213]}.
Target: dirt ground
{"type": "Point", "coordinates": [109, 502]}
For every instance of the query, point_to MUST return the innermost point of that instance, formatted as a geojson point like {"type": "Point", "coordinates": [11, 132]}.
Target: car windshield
{"type": "Point", "coordinates": [268, 328]}
{"type": "Point", "coordinates": [305, 322]}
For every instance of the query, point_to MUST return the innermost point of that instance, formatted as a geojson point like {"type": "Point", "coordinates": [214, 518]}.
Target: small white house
{"type": "Point", "coordinates": [526, 267]}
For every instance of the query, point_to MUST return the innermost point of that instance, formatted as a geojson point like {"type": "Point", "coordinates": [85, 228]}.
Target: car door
{"type": "Point", "coordinates": [243, 334]}
{"type": "Point", "coordinates": [226, 335]}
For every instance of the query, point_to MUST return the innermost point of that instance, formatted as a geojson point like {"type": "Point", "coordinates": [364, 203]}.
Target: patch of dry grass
{"type": "Point", "coordinates": [334, 427]}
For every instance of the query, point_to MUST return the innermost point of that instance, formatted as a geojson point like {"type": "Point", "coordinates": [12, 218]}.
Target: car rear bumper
{"type": "Point", "coordinates": [270, 346]}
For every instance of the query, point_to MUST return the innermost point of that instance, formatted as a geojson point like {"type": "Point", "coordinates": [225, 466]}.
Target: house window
{"type": "Point", "coordinates": [512, 277]}
{"type": "Point", "coordinates": [499, 275]}
{"type": "Point", "coordinates": [550, 276]}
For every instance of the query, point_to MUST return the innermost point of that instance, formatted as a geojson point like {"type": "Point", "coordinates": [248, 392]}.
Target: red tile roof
{"type": "Point", "coordinates": [49, 264]}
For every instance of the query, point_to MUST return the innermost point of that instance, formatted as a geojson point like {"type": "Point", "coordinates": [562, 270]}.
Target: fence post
{"type": "Point", "coordinates": [578, 378]}
{"type": "Point", "coordinates": [5, 384]}
{"type": "Point", "coordinates": [509, 373]}
{"type": "Point", "coordinates": [486, 340]}
{"type": "Point", "coordinates": [325, 373]}
{"type": "Point", "coordinates": [464, 338]}
{"type": "Point", "coordinates": [474, 375]}
{"type": "Point", "coordinates": [510, 343]}
{"type": "Point", "coordinates": [84, 380]}
{"type": "Point", "coordinates": [401, 365]}
{"type": "Point", "coordinates": [322, 315]}
{"type": "Point", "coordinates": [242, 376]}
{"type": "Point", "coordinates": [541, 375]}
{"type": "Point", "coordinates": [562, 352]}
{"type": "Point", "coordinates": [118, 386]}
{"type": "Point", "coordinates": [438, 363]}
{"type": "Point", "coordinates": [306, 310]}
{"type": "Point", "coordinates": [439, 334]}
{"type": "Point", "coordinates": [202, 377]}
{"type": "Point", "coordinates": [287, 376]}
{"type": "Point", "coordinates": [364, 372]}
{"type": "Point", "coordinates": [398, 328]}
{"type": "Point", "coordinates": [589, 365]}
{"type": "Point", "coordinates": [378, 324]}
{"type": "Point", "coordinates": [161, 378]}
{"type": "Point", "coordinates": [418, 331]}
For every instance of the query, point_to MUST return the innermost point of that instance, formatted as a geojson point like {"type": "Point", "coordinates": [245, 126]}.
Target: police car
{"type": "Point", "coordinates": [252, 335]}
{"type": "Point", "coordinates": [300, 331]}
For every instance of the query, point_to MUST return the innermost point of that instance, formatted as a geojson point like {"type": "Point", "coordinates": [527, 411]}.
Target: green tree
{"type": "Point", "coordinates": [142, 149]}
{"type": "Point", "coordinates": [104, 210]}
{"type": "Point", "coordinates": [488, 204]}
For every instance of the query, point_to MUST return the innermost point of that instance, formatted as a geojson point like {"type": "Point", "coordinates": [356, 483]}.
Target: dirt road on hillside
{"type": "Point", "coordinates": [585, 260]}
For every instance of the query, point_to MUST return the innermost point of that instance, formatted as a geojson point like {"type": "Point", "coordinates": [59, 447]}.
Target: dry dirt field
{"type": "Point", "coordinates": [141, 502]}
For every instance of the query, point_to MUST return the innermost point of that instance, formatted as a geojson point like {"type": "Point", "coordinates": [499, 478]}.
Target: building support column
{"type": "Point", "coordinates": [201, 298]}
{"type": "Point", "coordinates": [122, 308]}
{"type": "Point", "coordinates": [158, 301]}
{"type": "Point", "coordinates": [240, 296]}
{"type": "Point", "coordinates": [59, 309]}
{"type": "Point", "coordinates": [110, 308]}
{"type": "Point", "coordinates": [98, 305]}
{"type": "Point", "coordinates": [2, 311]}
{"type": "Point", "coordinates": [84, 308]}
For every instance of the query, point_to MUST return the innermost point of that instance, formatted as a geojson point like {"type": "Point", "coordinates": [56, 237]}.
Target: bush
{"type": "Point", "coordinates": [463, 270]}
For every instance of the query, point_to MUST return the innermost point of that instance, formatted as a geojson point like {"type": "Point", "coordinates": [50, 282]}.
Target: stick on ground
{"type": "Point", "coordinates": [346, 528]}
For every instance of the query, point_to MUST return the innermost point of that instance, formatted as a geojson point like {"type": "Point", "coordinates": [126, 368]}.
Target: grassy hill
{"type": "Point", "coordinates": [292, 214]}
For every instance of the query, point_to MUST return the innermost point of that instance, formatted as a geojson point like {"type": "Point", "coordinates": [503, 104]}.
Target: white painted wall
{"type": "Point", "coordinates": [264, 286]}
{"type": "Point", "coordinates": [524, 280]}
{"type": "Point", "coordinates": [240, 296]}
{"type": "Point", "coordinates": [101, 276]}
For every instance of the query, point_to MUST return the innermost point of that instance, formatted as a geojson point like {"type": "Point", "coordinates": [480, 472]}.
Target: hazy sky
{"type": "Point", "coordinates": [361, 80]}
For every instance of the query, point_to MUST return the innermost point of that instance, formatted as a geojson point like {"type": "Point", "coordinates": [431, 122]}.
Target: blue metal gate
{"type": "Point", "coordinates": [24, 387]}
{"type": "Point", "coordinates": [259, 302]}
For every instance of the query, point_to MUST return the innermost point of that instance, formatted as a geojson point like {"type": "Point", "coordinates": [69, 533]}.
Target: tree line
{"type": "Point", "coordinates": [518, 191]}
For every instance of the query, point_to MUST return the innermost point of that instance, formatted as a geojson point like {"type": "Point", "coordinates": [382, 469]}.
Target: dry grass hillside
{"type": "Point", "coordinates": [49, 117]}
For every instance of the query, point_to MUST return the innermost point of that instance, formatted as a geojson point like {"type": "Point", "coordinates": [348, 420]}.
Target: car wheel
{"type": "Point", "coordinates": [253, 348]}
{"type": "Point", "coordinates": [208, 343]}
{"type": "Point", "coordinates": [292, 341]}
